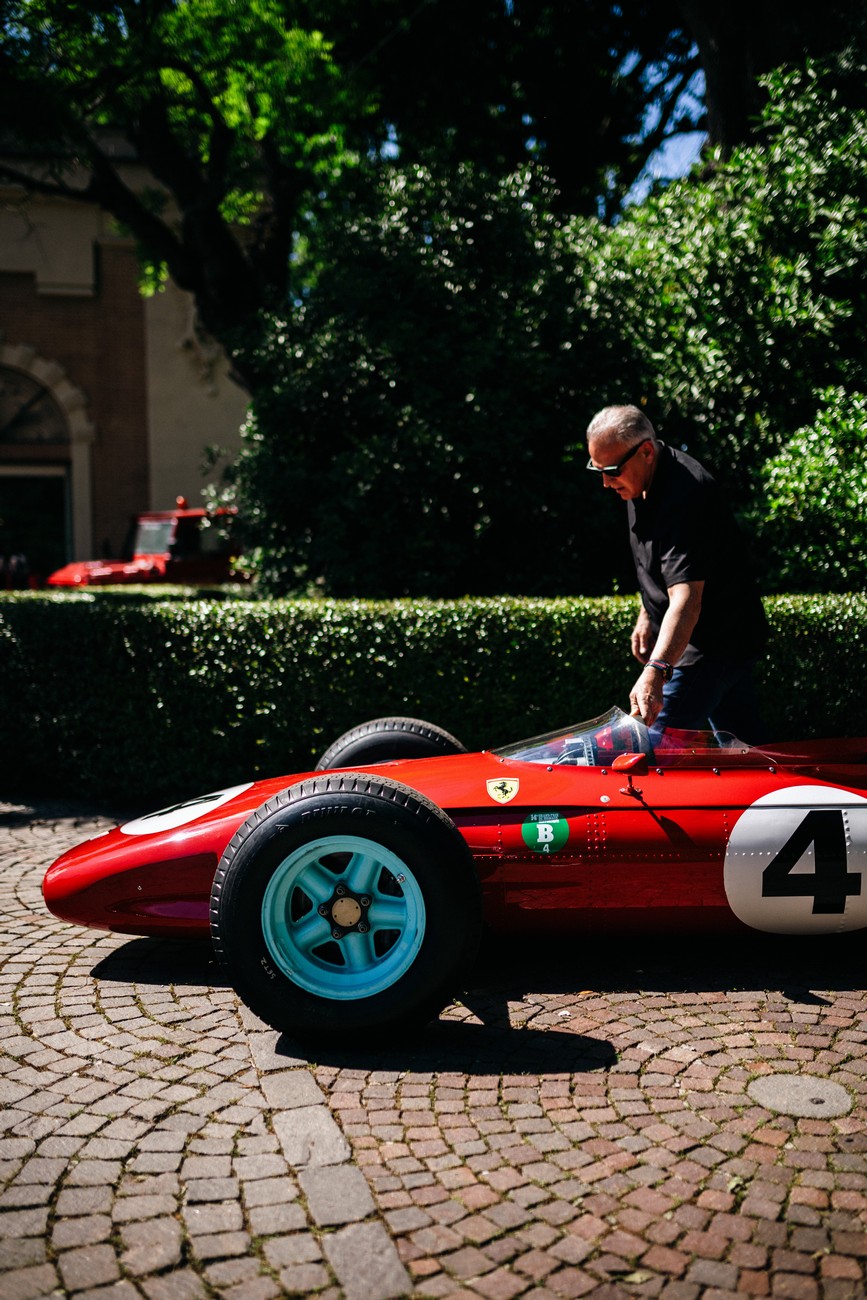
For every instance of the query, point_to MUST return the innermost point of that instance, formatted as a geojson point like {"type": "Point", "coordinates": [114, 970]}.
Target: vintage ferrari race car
{"type": "Point", "coordinates": [349, 900]}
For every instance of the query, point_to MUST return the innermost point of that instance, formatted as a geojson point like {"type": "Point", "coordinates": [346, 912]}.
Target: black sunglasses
{"type": "Point", "coordinates": [614, 471]}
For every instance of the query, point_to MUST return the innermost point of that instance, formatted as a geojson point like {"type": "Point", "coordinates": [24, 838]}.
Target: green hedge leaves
{"type": "Point", "coordinates": [154, 700]}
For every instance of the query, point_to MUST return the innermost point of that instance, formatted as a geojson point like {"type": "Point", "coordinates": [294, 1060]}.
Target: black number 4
{"type": "Point", "coordinates": [830, 884]}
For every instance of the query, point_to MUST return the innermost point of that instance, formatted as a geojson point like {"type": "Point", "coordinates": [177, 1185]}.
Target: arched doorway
{"type": "Point", "coordinates": [45, 440]}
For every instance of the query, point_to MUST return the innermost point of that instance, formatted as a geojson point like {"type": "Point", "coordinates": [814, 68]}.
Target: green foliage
{"type": "Point", "coordinates": [246, 116]}
{"type": "Point", "coordinates": [144, 593]}
{"type": "Point", "coordinates": [452, 337]}
{"type": "Point", "coordinates": [142, 701]}
{"type": "Point", "coordinates": [217, 81]}
{"type": "Point", "coordinates": [420, 400]}
{"type": "Point", "coordinates": [727, 335]}
{"type": "Point", "coordinates": [266, 82]}
{"type": "Point", "coordinates": [811, 682]}
{"type": "Point", "coordinates": [159, 700]}
{"type": "Point", "coordinates": [811, 177]}
{"type": "Point", "coordinates": [416, 435]}
{"type": "Point", "coordinates": [813, 524]}
{"type": "Point", "coordinates": [742, 291]}
{"type": "Point", "coordinates": [238, 113]}
{"type": "Point", "coordinates": [522, 83]}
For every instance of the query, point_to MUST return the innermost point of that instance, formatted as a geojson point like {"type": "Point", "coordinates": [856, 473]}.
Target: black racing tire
{"type": "Point", "coordinates": [346, 850]}
{"type": "Point", "coordinates": [385, 739]}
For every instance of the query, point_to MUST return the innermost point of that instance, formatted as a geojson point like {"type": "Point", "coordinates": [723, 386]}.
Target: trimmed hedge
{"type": "Point", "coordinates": [143, 699]}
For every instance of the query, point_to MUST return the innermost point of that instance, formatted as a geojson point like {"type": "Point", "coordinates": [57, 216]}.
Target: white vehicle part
{"type": "Point", "coordinates": [796, 862]}
{"type": "Point", "coordinates": [180, 814]}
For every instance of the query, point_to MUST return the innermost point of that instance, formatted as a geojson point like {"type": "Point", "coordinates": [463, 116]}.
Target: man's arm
{"type": "Point", "coordinates": [678, 624]}
{"type": "Point", "coordinates": [642, 636]}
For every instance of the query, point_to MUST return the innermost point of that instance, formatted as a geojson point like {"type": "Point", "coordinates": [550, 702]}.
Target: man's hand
{"type": "Point", "coordinates": [645, 698]}
{"type": "Point", "coordinates": [679, 620]}
{"type": "Point", "coordinates": [642, 637]}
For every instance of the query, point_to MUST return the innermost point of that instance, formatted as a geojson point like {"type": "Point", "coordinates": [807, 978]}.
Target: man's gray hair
{"type": "Point", "coordinates": [622, 424]}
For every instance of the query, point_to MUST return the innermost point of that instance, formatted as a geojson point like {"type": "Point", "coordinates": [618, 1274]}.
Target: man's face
{"type": "Point", "coordinates": [637, 465]}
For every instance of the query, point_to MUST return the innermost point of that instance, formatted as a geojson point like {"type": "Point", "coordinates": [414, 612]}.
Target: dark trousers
{"type": "Point", "coordinates": [720, 692]}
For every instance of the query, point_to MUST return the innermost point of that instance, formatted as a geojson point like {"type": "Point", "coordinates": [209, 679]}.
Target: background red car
{"type": "Point", "coordinates": [187, 545]}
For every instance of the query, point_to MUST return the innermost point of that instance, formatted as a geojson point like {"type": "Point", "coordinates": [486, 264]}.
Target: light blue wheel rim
{"type": "Point", "coordinates": [300, 940]}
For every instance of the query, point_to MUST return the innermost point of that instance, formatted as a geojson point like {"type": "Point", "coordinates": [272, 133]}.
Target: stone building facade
{"type": "Point", "coordinates": [108, 400]}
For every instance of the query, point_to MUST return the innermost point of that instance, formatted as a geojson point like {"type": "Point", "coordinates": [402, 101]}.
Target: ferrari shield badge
{"type": "Point", "coordinates": [503, 788]}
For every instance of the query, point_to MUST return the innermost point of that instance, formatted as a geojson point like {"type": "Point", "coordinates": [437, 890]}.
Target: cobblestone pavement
{"type": "Point", "coordinates": [584, 1125]}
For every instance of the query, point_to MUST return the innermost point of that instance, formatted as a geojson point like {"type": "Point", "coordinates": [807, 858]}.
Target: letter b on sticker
{"type": "Point", "coordinates": [545, 837]}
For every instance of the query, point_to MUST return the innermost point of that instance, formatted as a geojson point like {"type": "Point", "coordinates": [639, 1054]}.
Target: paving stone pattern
{"type": "Point", "coordinates": [580, 1126]}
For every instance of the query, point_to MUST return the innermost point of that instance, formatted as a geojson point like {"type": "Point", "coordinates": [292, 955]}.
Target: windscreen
{"type": "Point", "coordinates": [153, 536]}
{"type": "Point", "coordinates": [598, 742]}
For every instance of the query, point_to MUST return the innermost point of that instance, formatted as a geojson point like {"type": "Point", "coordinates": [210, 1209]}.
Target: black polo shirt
{"type": "Point", "coordinates": [683, 531]}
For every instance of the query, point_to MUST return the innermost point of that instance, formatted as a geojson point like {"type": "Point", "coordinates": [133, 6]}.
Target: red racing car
{"type": "Point", "coordinates": [350, 902]}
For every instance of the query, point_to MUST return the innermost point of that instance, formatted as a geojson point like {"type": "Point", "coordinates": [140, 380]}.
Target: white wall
{"type": "Point", "coordinates": [192, 402]}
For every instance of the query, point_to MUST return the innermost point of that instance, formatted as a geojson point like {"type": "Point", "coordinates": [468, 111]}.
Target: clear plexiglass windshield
{"type": "Point", "coordinates": [598, 742]}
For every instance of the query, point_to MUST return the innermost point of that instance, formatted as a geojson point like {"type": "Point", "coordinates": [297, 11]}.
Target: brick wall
{"type": "Point", "coordinates": [100, 343]}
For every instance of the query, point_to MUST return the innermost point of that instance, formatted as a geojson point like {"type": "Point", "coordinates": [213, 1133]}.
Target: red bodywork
{"type": "Point", "coordinates": [775, 841]}
{"type": "Point", "coordinates": [187, 546]}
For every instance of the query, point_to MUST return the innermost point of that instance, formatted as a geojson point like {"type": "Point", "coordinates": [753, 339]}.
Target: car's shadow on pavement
{"type": "Point", "coordinates": [467, 1048]}
{"type": "Point", "coordinates": [489, 1047]}
{"type": "Point", "coordinates": [493, 1037]}
{"type": "Point", "coordinates": [180, 963]}
{"type": "Point", "coordinates": [802, 970]}
{"type": "Point", "coordinates": [562, 972]}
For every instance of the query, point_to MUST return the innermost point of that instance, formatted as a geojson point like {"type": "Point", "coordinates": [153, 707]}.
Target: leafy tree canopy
{"type": "Point", "coordinates": [245, 115]}
{"type": "Point", "coordinates": [742, 294]}
{"type": "Point", "coordinates": [438, 381]}
{"type": "Point", "coordinates": [386, 215]}
{"type": "Point", "coordinates": [237, 116]}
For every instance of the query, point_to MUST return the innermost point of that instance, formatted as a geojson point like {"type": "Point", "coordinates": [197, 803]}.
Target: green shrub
{"type": "Point", "coordinates": [812, 680]}
{"type": "Point", "coordinates": [144, 701]}
{"type": "Point", "coordinates": [162, 700]}
{"type": "Point", "coordinates": [814, 519]}
{"type": "Point", "coordinates": [431, 389]}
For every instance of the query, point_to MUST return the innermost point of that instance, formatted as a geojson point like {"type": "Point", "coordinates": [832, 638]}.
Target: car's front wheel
{"type": "Point", "coordinates": [346, 907]}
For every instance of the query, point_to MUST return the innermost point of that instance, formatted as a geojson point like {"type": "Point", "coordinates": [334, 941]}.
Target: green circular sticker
{"type": "Point", "coordinates": [545, 834]}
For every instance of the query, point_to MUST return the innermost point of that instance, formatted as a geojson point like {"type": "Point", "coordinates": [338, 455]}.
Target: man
{"type": "Point", "coordinates": [701, 625]}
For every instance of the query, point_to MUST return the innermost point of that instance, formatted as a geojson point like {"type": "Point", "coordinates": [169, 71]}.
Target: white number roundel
{"type": "Point", "coordinates": [796, 862]}
{"type": "Point", "coordinates": [180, 814]}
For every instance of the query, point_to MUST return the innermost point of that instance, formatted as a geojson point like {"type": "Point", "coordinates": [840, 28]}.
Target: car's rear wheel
{"type": "Point", "coordinates": [346, 907]}
{"type": "Point", "coordinates": [385, 739]}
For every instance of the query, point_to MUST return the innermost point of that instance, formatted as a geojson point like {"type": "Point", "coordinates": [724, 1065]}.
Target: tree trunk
{"type": "Point", "coordinates": [741, 40]}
